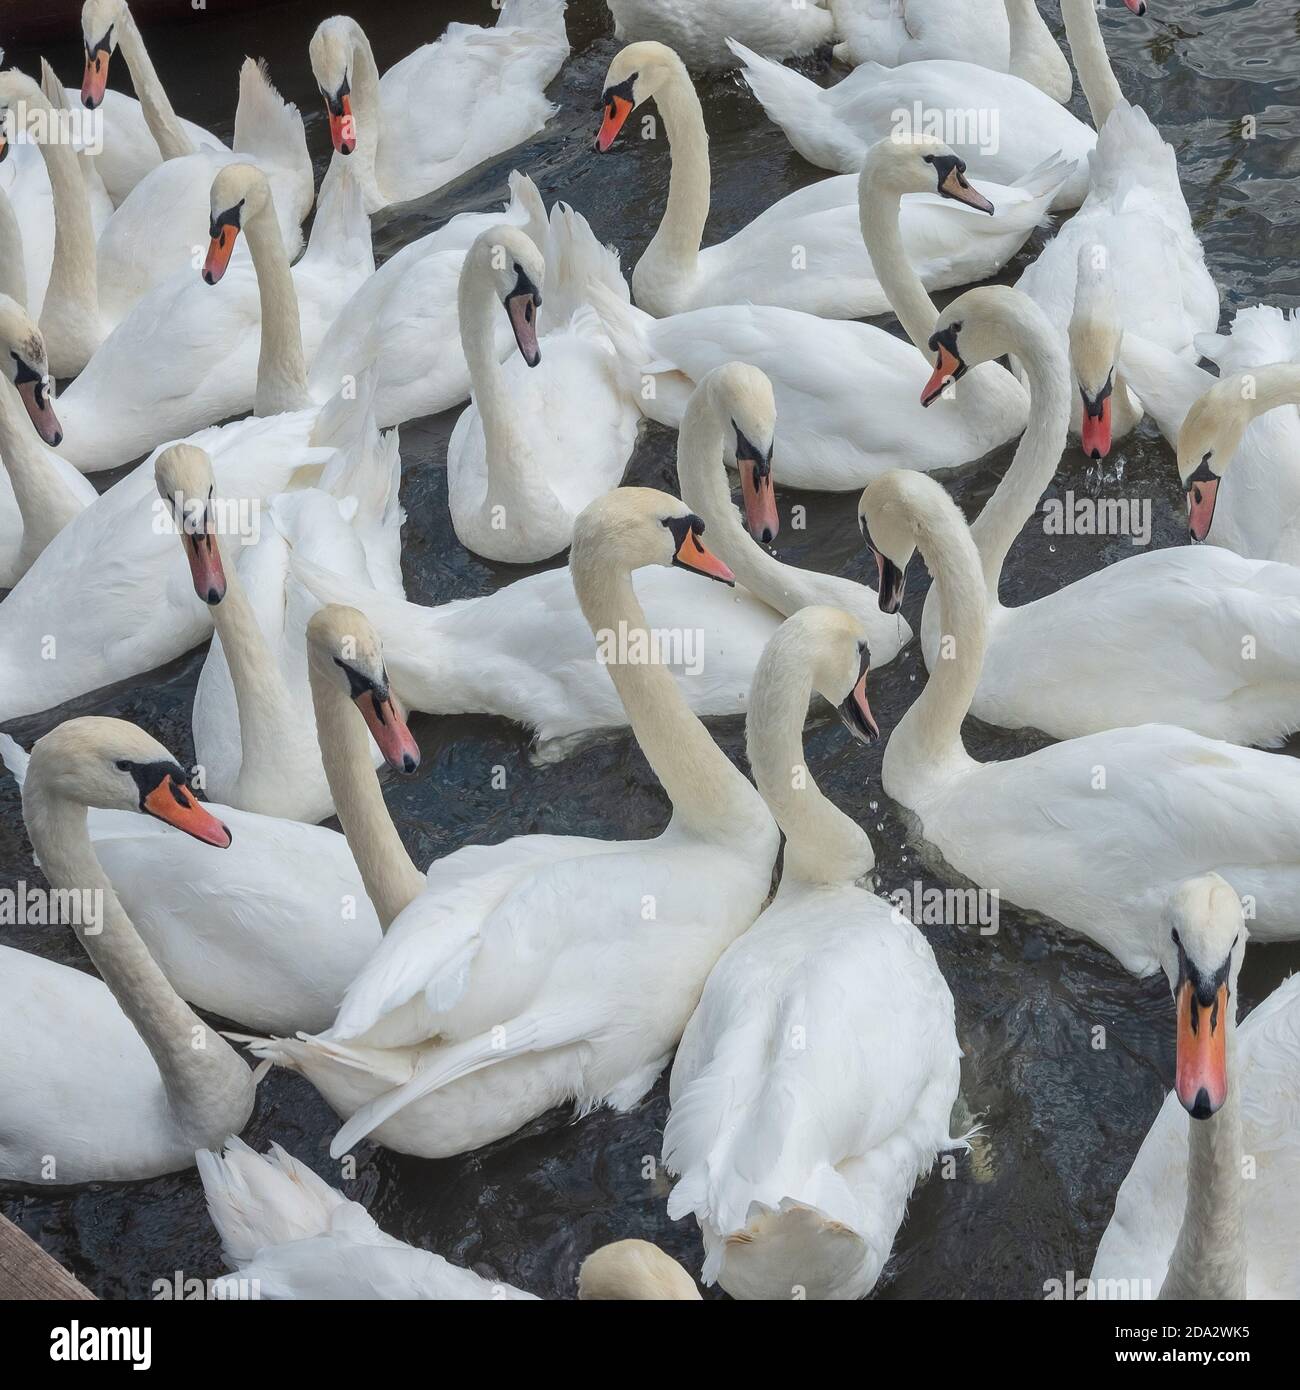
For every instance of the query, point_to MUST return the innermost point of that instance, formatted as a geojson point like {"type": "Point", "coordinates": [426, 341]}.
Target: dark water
{"type": "Point", "coordinates": [1062, 1120]}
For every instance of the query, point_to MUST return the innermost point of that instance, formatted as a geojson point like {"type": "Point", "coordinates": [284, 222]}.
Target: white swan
{"type": "Point", "coordinates": [1258, 513]}
{"type": "Point", "coordinates": [289, 1235]}
{"type": "Point", "coordinates": [1208, 1208]}
{"type": "Point", "coordinates": [814, 1083]}
{"type": "Point", "coordinates": [699, 33]}
{"type": "Point", "coordinates": [190, 353]}
{"type": "Point", "coordinates": [822, 370]}
{"type": "Point", "coordinates": [1094, 832]}
{"type": "Point", "coordinates": [115, 1078]}
{"type": "Point", "coordinates": [255, 749]}
{"type": "Point", "coordinates": [1128, 260]}
{"type": "Point", "coordinates": [55, 645]}
{"type": "Point", "coordinates": [40, 493]}
{"type": "Point", "coordinates": [806, 252]}
{"type": "Point", "coordinates": [273, 936]}
{"type": "Point", "coordinates": [404, 319]}
{"type": "Point", "coordinates": [1157, 637]}
{"type": "Point", "coordinates": [525, 653]}
{"type": "Point", "coordinates": [477, 1014]}
{"type": "Point", "coordinates": [553, 428]}
{"type": "Point", "coordinates": [1000, 124]}
{"type": "Point", "coordinates": [139, 132]}
{"type": "Point", "coordinates": [98, 270]}
{"type": "Point", "coordinates": [1006, 35]}
{"type": "Point", "coordinates": [445, 107]}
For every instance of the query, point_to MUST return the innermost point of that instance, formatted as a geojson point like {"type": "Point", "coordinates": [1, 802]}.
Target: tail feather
{"type": "Point", "coordinates": [266, 125]}
{"type": "Point", "coordinates": [15, 757]}
{"type": "Point", "coordinates": [799, 106]}
{"type": "Point", "coordinates": [257, 1201]}
{"type": "Point", "coordinates": [543, 16]}
{"type": "Point", "coordinates": [340, 235]}
{"type": "Point", "coordinates": [657, 385]}
{"type": "Point", "coordinates": [575, 261]}
{"type": "Point", "coordinates": [1045, 180]}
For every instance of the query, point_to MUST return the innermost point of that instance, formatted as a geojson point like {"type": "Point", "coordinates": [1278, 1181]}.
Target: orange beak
{"type": "Point", "coordinates": [176, 805]}
{"type": "Point", "coordinates": [946, 369]}
{"type": "Point", "coordinates": [959, 188]}
{"type": "Point", "coordinates": [389, 731]}
{"type": "Point", "coordinates": [95, 79]}
{"type": "Point", "coordinates": [219, 252]}
{"type": "Point", "coordinates": [40, 408]}
{"type": "Point", "coordinates": [617, 110]}
{"type": "Point", "coordinates": [1094, 433]}
{"type": "Point", "coordinates": [343, 130]}
{"type": "Point", "coordinates": [759, 496]}
{"type": "Point", "coordinates": [856, 711]}
{"type": "Point", "coordinates": [1202, 494]}
{"type": "Point", "coordinates": [205, 566]}
{"type": "Point", "coordinates": [1201, 1074]}
{"type": "Point", "coordinates": [691, 555]}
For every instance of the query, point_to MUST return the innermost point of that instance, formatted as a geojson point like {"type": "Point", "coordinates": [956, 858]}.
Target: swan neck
{"type": "Point", "coordinates": [391, 879]}
{"type": "Point", "coordinates": [73, 287]}
{"type": "Point", "coordinates": [1209, 1259]}
{"type": "Point", "coordinates": [708, 794]}
{"type": "Point", "coordinates": [1037, 456]}
{"type": "Point", "coordinates": [367, 108]}
{"type": "Point", "coordinates": [45, 502]}
{"type": "Point", "coordinates": [930, 731]}
{"type": "Point", "coordinates": [198, 1067]}
{"type": "Point", "coordinates": [822, 845]}
{"type": "Point", "coordinates": [1275, 386]}
{"type": "Point", "coordinates": [1091, 61]}
{"type": "Point", "coordinates": [168, 133]}
{"type": "Point", "coordinates": [675, 249]}
{"type": "Point", "coordinates": [13, 264]}
{"type": "Point", "coordinates": [281, 365]}
{"type": "Point", "coordinates": [878, 210]}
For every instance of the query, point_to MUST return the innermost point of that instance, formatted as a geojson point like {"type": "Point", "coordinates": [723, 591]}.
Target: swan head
{"type": "Point", "coordinates": [632, 527]}
{"type": "Point", "coordinates": [887, 516]}
{"type": "Point", "coordinates": [510, 261]}
{"type": "Point", "coordinates": [331, 54]}
{"type": "Point", "coordinates": [183, 475]}
{"type": "Point", "coordinates": [344, 650]}
{"type": "Point", "coordinates": [1207, 441]}
{"type": "Point", "coordinates": [1201, 954]}
{"type": "Point", "coordinates": [633, 1269]}
{"type": "Point", "coordinates": [115, 766]}
{"type": "Point", "coordinates": [24, 363]}
{"type": "Point", "coordinates": [1096, 333]}
{"type": "Point", "coordinates": [980, 326]}
{"type": "Point", "coordinates": [239, 193]}
{"type": "Point", "coordinates": [911, 163]}
{"type": "Point", "coordinates": [829, 645]}
{"type": "Point", "coordinates": [101, 23]}
{"type": "Point", "coordinates": [636, 74]}
{"type": "Point", "coordinates": [742, 400]}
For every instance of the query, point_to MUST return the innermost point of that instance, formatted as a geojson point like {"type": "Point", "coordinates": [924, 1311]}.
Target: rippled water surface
{"type": "Point", "coordinates": [1061, 1119]}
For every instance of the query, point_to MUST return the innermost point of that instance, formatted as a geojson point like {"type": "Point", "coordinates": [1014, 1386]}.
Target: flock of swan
{"type": "Point", "coordinates": [810, 1033]}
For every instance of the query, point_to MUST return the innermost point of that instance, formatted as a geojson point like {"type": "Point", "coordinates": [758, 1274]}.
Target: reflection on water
{"type": "Point", "coordinates": [1059, 1119]}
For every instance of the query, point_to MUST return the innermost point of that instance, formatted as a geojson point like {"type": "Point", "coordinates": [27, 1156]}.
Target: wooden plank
{"type": "Point", "coordinates": [27, 1272]}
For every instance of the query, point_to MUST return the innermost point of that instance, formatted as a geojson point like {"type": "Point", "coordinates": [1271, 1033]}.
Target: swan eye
{"type": "Point", "coordinates": [929, 158]}
{"type": "Point", "coordinates": [123, 765]}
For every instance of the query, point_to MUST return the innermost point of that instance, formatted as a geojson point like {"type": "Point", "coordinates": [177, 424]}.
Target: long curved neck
{"type": "Point", "coordinates": [73, 287]}
{"type": "Point", "coordinates": [708, 793]}
{"type": "Point", "coordinates": [1091, 61]}
{"type": "Point", "coordinates": [931, 728]}
{"type": "Point", "coordinates": [822, 845]}
{"type": "Point", "coordinates": [675, 248]}
{"type": "Point", "coordinates": [163, 123]}
{"type": "Point", "coordinates": [45, 502]}
{"type": "Point", "coordinates": [281, 366]}
{"type": "Point", "coordinates": [1274, 386]}
{"type": "Point", "coordinates": [878, 212]}
{"type": "Point", "coordinates": [1209, 1259]}
{"type": "Point", "coordinates": [196, 1064]}
{"type": "Point", "coordinates": [1037, 456]}
{"type": "Point", "coordinates": [13, 264]}
{"type": "Point", "coordinates": [392, 881]}
{"type": "Point", "coordinates": [705, 489]}
{"type": "Point", "coordinates": [261, 695]}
